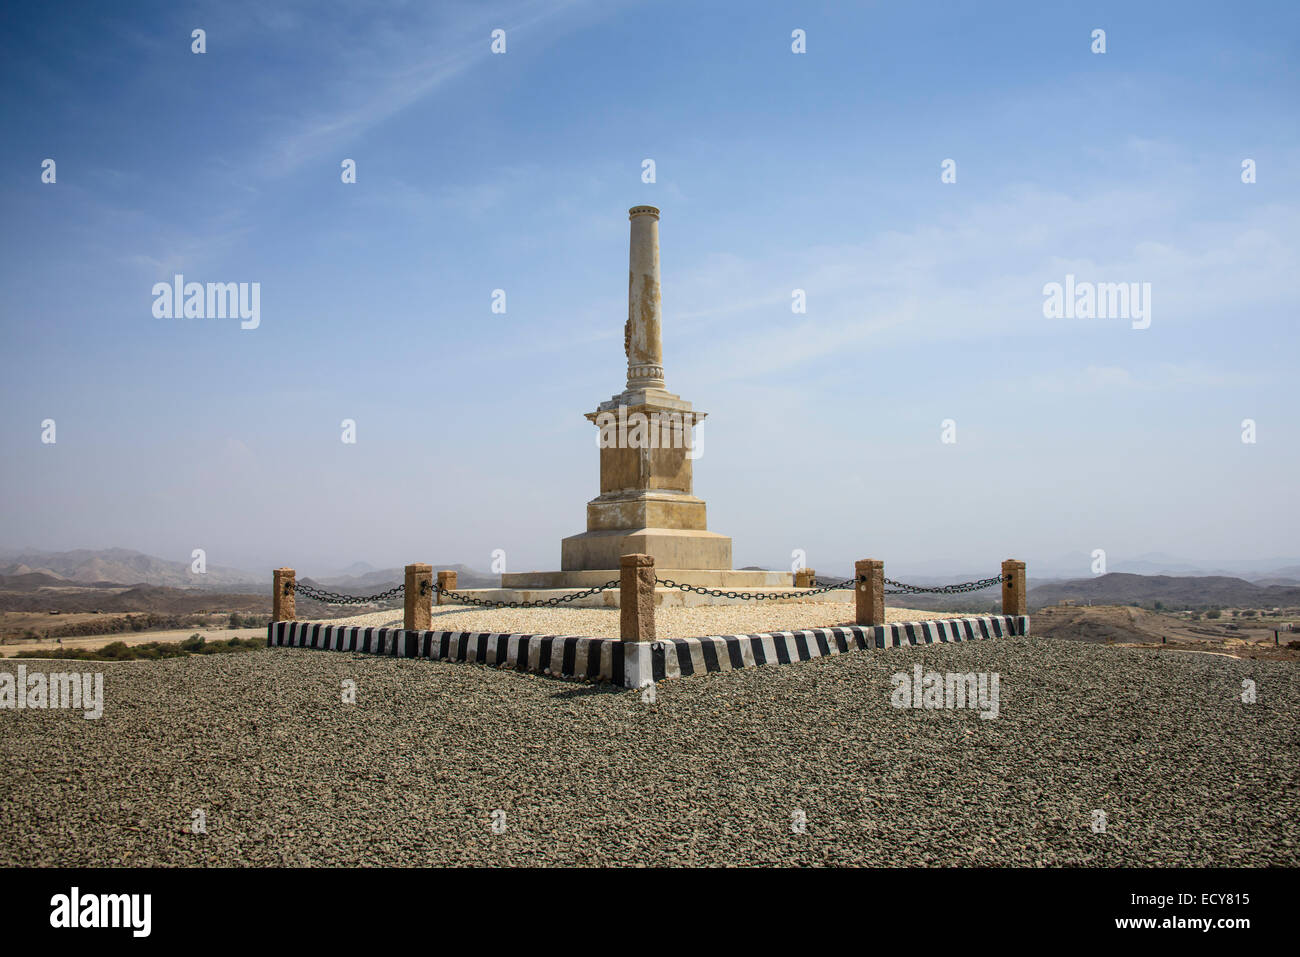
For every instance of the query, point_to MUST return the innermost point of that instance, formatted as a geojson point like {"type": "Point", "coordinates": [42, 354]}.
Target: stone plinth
{"type": "Point", "coordinates": [704, 577]}
{"type": "Point", "coordinates": [679, 548]}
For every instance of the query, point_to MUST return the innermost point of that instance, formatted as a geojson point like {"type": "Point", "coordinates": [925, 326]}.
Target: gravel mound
{"type": "Point", "coordinates": [691, 622]}
{"type": "Point", "coordinates": [716, 771]}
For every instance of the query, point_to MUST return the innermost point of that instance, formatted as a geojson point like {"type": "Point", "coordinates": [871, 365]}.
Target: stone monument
{"type": "Point", "coordinates": [646, 504]}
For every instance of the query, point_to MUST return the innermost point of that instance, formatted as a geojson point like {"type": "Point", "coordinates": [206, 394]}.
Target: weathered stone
{"type": "Point", "coordinates": [282, 594]}
{"type": "Point", "coordinates": [870, 594]}
{"type": "Point", "coordinates": [418, 611]}
{"type": "Point", "coordinates": [1015, 595]}
{"type": "Point", "coordinates": [803, 578]}
{"type": "Point", "coordinates": [642, 336]}
{"type": "Point", "coordinates": [637, 598]}
{"type": "Point", "coordinates": [446, 582]}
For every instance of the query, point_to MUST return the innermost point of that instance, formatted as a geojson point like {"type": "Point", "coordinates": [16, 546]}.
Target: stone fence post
{"type": "Point", "coordinates": [446, 582]}
{"type": "Point", "coordinates": [636, 597]}
{"type": "Point", "coordinates": [803, 578]}
{"type": "Point", "coordinates": [418, 593]}
{"type": "Point", "coordinates": [869, 575]}
{"type": "Point", "coordinates": [1015, 598]}
{"type": "Point", "coordinates": [282, 595]}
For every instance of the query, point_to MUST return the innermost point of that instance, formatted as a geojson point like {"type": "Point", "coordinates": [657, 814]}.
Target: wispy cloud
{"type": "Point", "coordinates": [395, 68]}
{"type": "Point", "coordinates": [980, 274]}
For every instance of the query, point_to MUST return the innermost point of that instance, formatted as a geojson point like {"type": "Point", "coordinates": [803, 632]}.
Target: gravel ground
{"type": "Point", "coordinates": [692, 622]}
{"type": "Point", "coordinates": [712, 772]}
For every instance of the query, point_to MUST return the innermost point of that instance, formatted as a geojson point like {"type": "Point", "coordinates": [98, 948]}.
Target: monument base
{"type": "Point", "coordinates": [669, 547]}
{"type": "Point", "coordinates": [705, 577]}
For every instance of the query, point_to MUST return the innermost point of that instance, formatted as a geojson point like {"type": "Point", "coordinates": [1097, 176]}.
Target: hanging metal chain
{"type": "Point", "coordinates": [899, 589]}
{"type": "Point", "coordinates": [902, 589]}
{"type": "Point", "coordinates": [756, 595]}
{"type": "Point", "coordinates": [333, 598]}
{"type": "Point", "coordinates": [542, 603]}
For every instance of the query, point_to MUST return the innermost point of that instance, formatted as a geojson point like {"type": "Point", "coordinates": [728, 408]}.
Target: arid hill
{"type": "Point", "coordinates": [1176, 591]}
{"type": "Point", "coordinates": [1128, 626]}
{"type": "Point", "coordinates": [120, 566]}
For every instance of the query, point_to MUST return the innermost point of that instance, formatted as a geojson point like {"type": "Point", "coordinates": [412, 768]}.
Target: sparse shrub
{"type": "Point", "coordinates": [150, 651]}
{"type": "Point", "coordinates": [1213, 613]}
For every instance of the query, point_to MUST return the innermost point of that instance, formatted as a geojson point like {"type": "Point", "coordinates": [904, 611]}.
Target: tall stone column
{"type": "Point", "coordinates": [645, 505]}
{"type": "Point", "coordinates": [643, 334]}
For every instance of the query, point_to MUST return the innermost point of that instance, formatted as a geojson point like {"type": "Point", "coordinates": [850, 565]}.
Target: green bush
{"type": "Point", "coordinates": [1213, 613]}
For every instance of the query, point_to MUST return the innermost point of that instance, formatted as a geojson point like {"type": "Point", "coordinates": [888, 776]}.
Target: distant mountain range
{"type": "Point", "coordinates": [119, 566]}
{"type": "Point", "coordinates": [1274, 582]}
{"type": "Point", "coordinates": [122, 566]}
{"type": "Point", "coordinates": [1262, 571]}
{"type": "Point", "coordinates": [1172, 591]}
{"type": "Point", "coordinates": [376, 580]}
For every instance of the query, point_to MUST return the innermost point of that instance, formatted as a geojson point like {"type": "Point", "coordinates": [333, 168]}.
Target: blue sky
{"type": "Point", "coordinates": [775, 171]}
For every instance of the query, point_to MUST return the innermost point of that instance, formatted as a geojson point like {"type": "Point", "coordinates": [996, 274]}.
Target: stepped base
{"type": "Point", "coordinates": [705, 577]}
{"type": "Point", "coordinates": [669, 547]}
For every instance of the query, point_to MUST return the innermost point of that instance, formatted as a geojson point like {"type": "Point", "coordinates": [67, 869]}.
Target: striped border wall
{"type": "Point", "coordinates": [634, 664]}
{"type": "Point", "coordinates": [568, 656]}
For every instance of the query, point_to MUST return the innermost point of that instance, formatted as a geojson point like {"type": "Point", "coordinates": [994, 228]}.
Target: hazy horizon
{"type": "Point", "coordinates": [775, 172]}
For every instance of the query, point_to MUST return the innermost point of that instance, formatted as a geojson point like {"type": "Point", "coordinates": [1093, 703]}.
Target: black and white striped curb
{"type": "Point", "coordinates": [635, 664]}
{"type": "Point", "coordinates": [682, 657]}
{"type": "Point", "coordinates": [569, 656]}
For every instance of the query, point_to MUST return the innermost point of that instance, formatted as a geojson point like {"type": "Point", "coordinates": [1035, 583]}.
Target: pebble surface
{"type": "Point", "coordinates": [689, 622]}
{"type": "Point", "coordinates": [717, 770]}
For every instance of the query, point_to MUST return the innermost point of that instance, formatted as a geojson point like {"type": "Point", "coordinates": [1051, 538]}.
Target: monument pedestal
{"type": "Point", "coordinates": [670, 548]}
